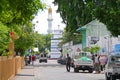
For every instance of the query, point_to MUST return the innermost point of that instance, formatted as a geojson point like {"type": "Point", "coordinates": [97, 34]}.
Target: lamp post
{"type": "Point", "coordinates": [118, 37]}
{"type": "Point", "coordinates": [108, 43]}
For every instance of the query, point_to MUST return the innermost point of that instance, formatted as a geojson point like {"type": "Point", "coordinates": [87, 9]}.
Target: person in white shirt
{"type": "Point", "coordinates": [97, 64]}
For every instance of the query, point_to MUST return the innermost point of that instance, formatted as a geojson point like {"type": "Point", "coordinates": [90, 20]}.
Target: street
{"type": "Point", "coordinates": [54, 71]}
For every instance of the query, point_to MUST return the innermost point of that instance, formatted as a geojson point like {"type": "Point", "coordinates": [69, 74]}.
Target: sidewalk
{"type": "Point", "coordinates": [26, 73]}
{"type": "Point", "coordinates": [29, 72]}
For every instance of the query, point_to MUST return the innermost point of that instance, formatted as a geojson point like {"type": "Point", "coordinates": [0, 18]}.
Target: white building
{"type": "Point", "coordinates": [71, 49]}
{"type": "Point", "coordinates": [55, 40]}
{"type": "Point", "coordinates": [50, 19]}
{"type": "Point", "coordinates": [96, 33]}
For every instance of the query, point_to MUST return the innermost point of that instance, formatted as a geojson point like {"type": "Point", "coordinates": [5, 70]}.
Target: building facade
{"type": "Point", "coordinates": [96, 33]}
{"type": "Point", "coordinates": [55, 40]}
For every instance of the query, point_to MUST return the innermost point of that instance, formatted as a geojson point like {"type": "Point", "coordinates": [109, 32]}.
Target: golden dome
{"type": "Point", "coordinates": [50, 10]}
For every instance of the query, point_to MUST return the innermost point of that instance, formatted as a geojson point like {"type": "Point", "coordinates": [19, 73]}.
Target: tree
{"type": "Point", "coordinates": [73, 13]}
{"type": "Point", "coordinates": [108, 12]}
{"type": "Point", "coordinates": [76, 13]}
{"type": "Point", "coordinates": [19, 11]}
{"type": "Point", "coordinates": [94, 49]}
{"type": "Point", "coordinates": [40, 41]}
{"type": "Point", "coordinates": [68, 36]}
{"type": "Point", "coordinates": [26, 39]}
{"type": "Point", "coordinates": [47, 39]}
{"type": "Point", "coordinates": [17, 16]}
{"type": "Point", "coordinates": [4, 38]}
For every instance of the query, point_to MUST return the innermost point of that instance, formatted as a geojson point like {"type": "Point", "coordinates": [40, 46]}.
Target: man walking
{"type": "Point", "coordinates": [68, 62]}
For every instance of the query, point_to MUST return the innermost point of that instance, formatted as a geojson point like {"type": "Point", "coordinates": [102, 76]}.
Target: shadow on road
{"type": "Point", "coordinates": [48, 65]}
{"type": "Point", "coordinates": [81, 72]}
{"type": "Point", "coordinates": [27, 68]}
{"type": "Point", "coordinates": [24, 75]}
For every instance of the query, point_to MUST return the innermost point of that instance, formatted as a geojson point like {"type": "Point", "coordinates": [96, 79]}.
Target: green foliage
{"type": "Point", "coordinates": [6, 53]}
{"type": "Point", "coordinates": [18, 15]}
{"type": "Point", "coordinates": [47, 40]}
{"type": "Point", "coordinates": [94, 49]}
{"type": "Point", "coordinates": [68, 36]}
{"type": "Point", "coordinates": [26, 39]}
{"type": "Point", "coordinates": [46, 51]}
{"type": "Point", "coordinates": [4, 38]}
{"type": "Point", "coordinates": [39, 41]}
{"type": "Point", "coordinates": [108, 12]}
{"type": "Point", "coordinates": [19, 11]}
{"type": "Point", "coordinates": [76, 13]}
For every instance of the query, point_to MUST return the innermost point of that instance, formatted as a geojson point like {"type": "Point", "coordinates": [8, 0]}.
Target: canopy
{"type": "Point", "coordinates": [84, 59]}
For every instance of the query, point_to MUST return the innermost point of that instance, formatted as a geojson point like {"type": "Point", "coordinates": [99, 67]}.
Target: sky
{"type": "Point", "coordinates": [42, 25]}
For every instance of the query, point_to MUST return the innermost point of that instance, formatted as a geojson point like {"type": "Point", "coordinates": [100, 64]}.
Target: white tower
{"type": "Point", "coordinates": [50, 19]}
{"type": "Point", "coordinates": [55, 40]}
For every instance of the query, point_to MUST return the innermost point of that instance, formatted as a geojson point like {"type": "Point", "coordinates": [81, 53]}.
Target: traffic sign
{"type": "Point", "coordinates": [78, 50]}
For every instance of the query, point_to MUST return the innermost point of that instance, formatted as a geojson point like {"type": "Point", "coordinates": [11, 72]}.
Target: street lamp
{"type": "Point", "coordinates": [108, 43]}
{"type": "Point", "coordinates": [118, 37]}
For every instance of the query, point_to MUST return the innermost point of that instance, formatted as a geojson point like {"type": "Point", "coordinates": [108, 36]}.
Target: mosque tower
{"type": "Point", "coordinates": [50, 19]}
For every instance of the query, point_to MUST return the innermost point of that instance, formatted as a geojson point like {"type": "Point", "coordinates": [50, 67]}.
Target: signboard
{"type": "Point", "coordinates": [29, 50]}
{"type": "Point", "coordinates": [78, 50]}
{"type": "Point", "coordinates": [117, 47]}
{"type": "Point", "coordinates": [36, 49]}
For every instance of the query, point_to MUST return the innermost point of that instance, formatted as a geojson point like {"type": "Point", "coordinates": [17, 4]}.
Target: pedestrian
{"type": "Point", "coordinates": [29, 59]}
{"type": "Point", "coordinates": [103, 61]}
{"type": "Point", "coordinates": [68, 62]}
{"type": "Point", "coordinates": [97, 64]}
{"type": "Point", "coordinates": [93, 58]}
{"type": "Point", "coordinates": [33, 59]}
{"type": "Point", "coordinates": [26, 60]}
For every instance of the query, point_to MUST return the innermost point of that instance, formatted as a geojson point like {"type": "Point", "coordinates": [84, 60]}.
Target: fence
{"type": "Point", "coordinates": [9, 66]}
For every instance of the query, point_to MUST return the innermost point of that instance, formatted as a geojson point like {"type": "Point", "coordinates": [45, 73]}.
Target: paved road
{"type": "Point", "coordinates": [54, 71]}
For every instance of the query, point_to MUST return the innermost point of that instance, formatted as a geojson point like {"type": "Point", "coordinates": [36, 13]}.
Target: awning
{"type": "Point", "coordinates": [81, 28]}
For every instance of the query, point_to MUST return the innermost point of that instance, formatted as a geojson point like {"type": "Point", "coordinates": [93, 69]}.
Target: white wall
{"type": "Point", "coordinates": [71, 49]}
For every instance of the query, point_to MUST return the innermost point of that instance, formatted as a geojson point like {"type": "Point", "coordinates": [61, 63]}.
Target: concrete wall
{"type": "Point", "coordinates": [10, 66]}
{"type": "Point", "coordinates": [72, 49]}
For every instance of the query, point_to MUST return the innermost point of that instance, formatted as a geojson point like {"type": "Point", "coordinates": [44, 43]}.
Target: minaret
{"type": "Point", "coordinates": [50, 19]}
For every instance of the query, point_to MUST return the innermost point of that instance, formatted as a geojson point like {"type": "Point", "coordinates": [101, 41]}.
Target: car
{"type": "Point", "coordinates": [83, 63]}
{"type": "Point", "coordinates": [112, 68]}
{"type": "Point", "coordinates": [62, 60]}
{"type": "Point", "coordinates": [43, 58]}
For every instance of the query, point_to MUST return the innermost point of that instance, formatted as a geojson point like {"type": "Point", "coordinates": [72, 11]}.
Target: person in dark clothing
{"type": "Point", "coordinates": [93, 58]}
{"type": "Point", "coordinates": [29, 59]}
{"type": "Point", "coordinates": [68, 62]}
